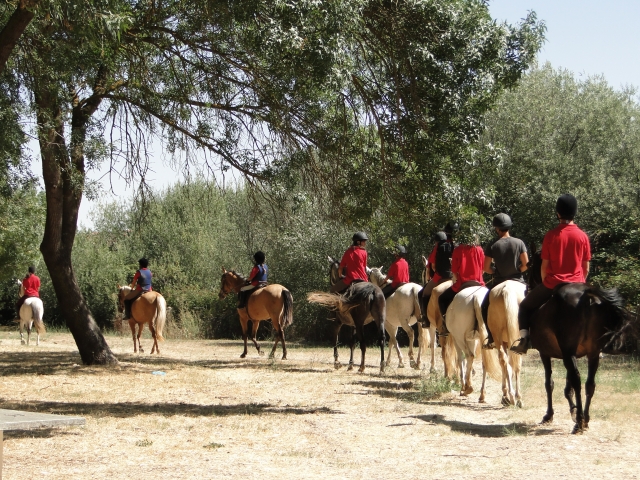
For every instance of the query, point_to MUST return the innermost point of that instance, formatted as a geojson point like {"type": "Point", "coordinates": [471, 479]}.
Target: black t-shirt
{"type": "Point", "coordinates": [505, 253]}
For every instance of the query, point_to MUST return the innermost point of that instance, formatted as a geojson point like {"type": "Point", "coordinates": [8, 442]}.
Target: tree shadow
{"type": "Point", "coordinates": [132, 409]}
{"type": "Point", "coordinates": [38, 362]}
{"type": "Point", "coordinates": [488, 431]}
{"type": "Point", "coordinates": [40, 432]}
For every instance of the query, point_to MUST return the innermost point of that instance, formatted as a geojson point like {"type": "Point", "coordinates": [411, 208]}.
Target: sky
{"type": "Point", "coordinates": [587, 37]}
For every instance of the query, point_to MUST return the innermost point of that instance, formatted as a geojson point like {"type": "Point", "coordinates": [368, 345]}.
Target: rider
{"type": "Point", "coordinates": [257, 278]}
{"type": "Point", "coordinates": [31, 286]}
{"type": "Point", "coordinates": [439, 262]}
{"type": "Point", "coordinates": [140, 284]}
{"type": "Point", "coordinates": [565, 259]}
{"type": "Point", "coordinates": [353, 266]}
{"type": "Point", "coordinates": [398, 272]}
{"type": "Point", "coordinates": [466, 268]}
{"type": "Point", "coordinates": [509, 258]}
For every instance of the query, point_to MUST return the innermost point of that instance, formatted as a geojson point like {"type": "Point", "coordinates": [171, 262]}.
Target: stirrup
{"type": "Point", "coordinates": [489, 346]}
{"type": "Point", "coordinates": [444, 332]}
{"type": "Point", "coordinates": [524, 344]}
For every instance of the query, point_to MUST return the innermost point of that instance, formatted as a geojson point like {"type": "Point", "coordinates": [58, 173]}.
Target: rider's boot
{"type": "Point", "coordinates": [127, 310]}
{"type": "Point", "coordinates": [424, 301]}
{"type": "Point", "coordinates": [485, 312]}
{"type": "Point", "coordinates": [523, 344]}
{"type": "Point", "coordinates": [443, 332]}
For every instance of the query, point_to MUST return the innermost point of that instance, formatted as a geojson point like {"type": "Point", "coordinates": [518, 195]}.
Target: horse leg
{"type": "Point", "coordinates": [132, 325]}
{"type": "Point", "coordinates": [407, 328]}
{"type": "Point", "coordinates": [590, 386]}
{"type": "Point", "coordinates": [393, 344]}
{"type": "Point", "coordinates": [154, 347]}
{"type": "Point", "coordinates": [254, 332]}
{"type": "Point", "coordinates": [421, 333]}
{"type": "Point", "coordinates": [574, 386]}
{"type": "Point", "coordinates": [243, 324]}
{"type": "Point", "coordinates": [363, 347]}
{"type": "Point", "coordinates": [507, 396]}
{"type": "Point", "coordinates": [482, 388]}
{"type": "Point", "coordinates": [21, 334]}
{"type": "Point", "coordinates": [336, 333]}
{"type": "Point", "coordinates": [381, 340]}
{"type": "Point", "coordinates": [140, 328]}
{"type": "Point", "coordinates": [432, 346]}
{"type": "Point", "coordinates": [352, 345]}
{"type": "Point", "coordinates": [516, 365]}
{"type": "Point", "coordinates": [278, 330]}
{"type": "Point", "coordinates": [548, 385]}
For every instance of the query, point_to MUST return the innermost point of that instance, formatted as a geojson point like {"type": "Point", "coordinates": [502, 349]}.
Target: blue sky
{"type": "Point", "coordinates": [587, 37]}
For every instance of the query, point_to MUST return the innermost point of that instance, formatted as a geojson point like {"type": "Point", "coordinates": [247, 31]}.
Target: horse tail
{"type": "Point", "coordinates": [331, 300]}
{"type": "Point", "coordinates": [37, 312]}
{"type": "Point", "coordinates": [489, 357]}
{"type": "Point", "coordinates": [286, 318]}
{"type": "Point", "coordinates": [511, 307]}
{"type": "Point", "coordinates": [622, 325]}
{"type": "Point", "coordinates": [449, 357]}
{"type": "Point", "coordinates": [161, 316]}
{"type": "Point", "coordinates": [417, 311]}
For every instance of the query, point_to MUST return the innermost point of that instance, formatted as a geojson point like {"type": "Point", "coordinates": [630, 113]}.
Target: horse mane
{"type": "Point", "coordinates": [238, 275]}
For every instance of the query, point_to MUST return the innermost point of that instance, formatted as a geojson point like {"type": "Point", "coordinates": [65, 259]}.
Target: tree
{"type": "Point", "coordinates": [319, 86]}
{"type": "Point", "coordinates": [14, 28]}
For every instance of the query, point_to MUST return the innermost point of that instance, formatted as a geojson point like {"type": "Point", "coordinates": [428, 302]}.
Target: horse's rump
{"type": "Point", "coordinates": [37, 313]}
{"type": "Point", "coordinates": [504, 303]}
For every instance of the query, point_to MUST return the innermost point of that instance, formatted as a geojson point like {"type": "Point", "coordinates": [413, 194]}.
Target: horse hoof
{"type": "Point", "coordinates": [547, 419]}
{"type": "Point", "coordinates": [284, 357]}
{"type": "Point", "coordinates": [271, 355]}
{"type": "Point", "coordinates": [574, 416]}
{"type": "Point", "coordinates": [432, 370]}
{"type": "Point", "coordinates": [337, 365]}
{"type": "Point", "coordinates": [519, 404]}
{"type": "Point", "coordinates": [505, 402]}
{"type": "Point", "coordinates": [401, 365]}
{"type": "Point", "coordinates": [349, 368]}
{"type": "Point", "coordinates": [361, 370]}
{"type": "Point", "coordinates": [243, 355]}
{"type": "Point", "coordinates": [261, 353]}
{"type": "Point", "coordinates": [481, 399]}
{"type": "Point", "coordinates": [466, 391]}
{"type": "Point", "coordinates": [23, 342]}
{"type": "Point", "coordinates": [413, 364]}
{"type": "Point", "coordinates": [577, 429]}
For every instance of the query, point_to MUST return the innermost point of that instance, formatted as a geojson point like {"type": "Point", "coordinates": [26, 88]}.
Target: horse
{"type": "Point", "coordinates": [272, 302]}
{"type": "Point", "coordinates": [31, 313]}
{"type": "Point", "coordinates": [402, 310]}
{"type": "Point", "coordinates": [502, 321]}
{"type": "Point", "coordinates": [579, 320]}
{"type": "Point", "coordinates": [467, 335]}
{"type": "Point", "coordinates": [362, 303]}
{"type": "Point", "coordinates": [151, 308]}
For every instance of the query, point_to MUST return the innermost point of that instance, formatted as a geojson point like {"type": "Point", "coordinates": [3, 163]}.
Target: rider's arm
{"type": "Point", "coordinates": [543, 269]}
{"type": "Point", "coordinates": [585, 269]}
{"type": "Point", "coordinates": [134, 282]}
{"type": "Point", "coordinates": [487, 266]}
{"type": "Point", "coordinates": [524, 260]}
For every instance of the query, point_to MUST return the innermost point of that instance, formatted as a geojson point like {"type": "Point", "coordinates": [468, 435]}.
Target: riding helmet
{"type": "Point", "coordinates": [502, 221]}
{"type": "Point", "coordinates": [259, 257]}
{"type": "Point", "coordinates": [400, 250]}
{"type": "Point", "coordinates": [32, 269]}
{"type": "Point", "coordinates": [451, 227]}
{"type": "Point", "coordinates": [439, 237]}
{"type": "Point", "coordinates": [143, 262]}
{"type": "Point", "coordinates": [359, 237]}
{"type": "Point", "coordinates": [567, 206]}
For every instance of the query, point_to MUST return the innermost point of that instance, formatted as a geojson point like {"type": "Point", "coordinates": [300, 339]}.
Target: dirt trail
{"type": "Point", "coordinates": [213, 415]}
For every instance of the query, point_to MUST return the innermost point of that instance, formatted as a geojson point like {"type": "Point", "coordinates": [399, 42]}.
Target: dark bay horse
{"type": "Point", "coordinates": [579, 320]}
{"type": "Point", "coordinates": [273, 302]}
{"type": "Point", "coordinates": [361, 304]}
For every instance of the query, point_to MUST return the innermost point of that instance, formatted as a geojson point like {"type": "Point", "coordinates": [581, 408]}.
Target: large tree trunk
{"type": "Point", "coordinates": [63, 173]}
{"type": "Point", "coordinates": [15, 26]}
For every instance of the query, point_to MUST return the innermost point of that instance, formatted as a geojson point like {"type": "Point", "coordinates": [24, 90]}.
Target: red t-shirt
{"type": "Point", "coordinates": [467, 263]}
{"type": "Point", "coordinates": [398, 272]}
{"type": "Point", "coordinates": [566, 247]}
{"type": "Point", "coordinates": [31, 285]}
{"type": "Point", "coordinates": [432, 261]}
{"type": "Point", "coordinates": [355, 261]}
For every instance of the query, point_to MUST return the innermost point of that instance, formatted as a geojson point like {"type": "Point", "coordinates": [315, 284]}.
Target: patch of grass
{"type": "Point", "coordinates": [434, 386]}
{"type": "Point", "coordinates": [514, 430]}
{"type": "Point", "coordinates": [144, 443]}
{"type": "Point", "coordinates": [214, 445]}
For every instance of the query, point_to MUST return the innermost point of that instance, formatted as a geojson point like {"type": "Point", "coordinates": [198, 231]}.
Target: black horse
{"type": "Point", "coordinates": [579, 320]}
{"type": "Point", "coordinates": [361, 304]}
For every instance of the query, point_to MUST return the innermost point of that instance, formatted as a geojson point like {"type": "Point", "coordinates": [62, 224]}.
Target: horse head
{"type": "Point", "coordinates": [334, 270]}
{"type": "Point", "coordinates": [376, 276]}
{"type": "Point", "coordinates": [230, 281]}
{"type": "Point", "coordinates": [425, 270]}
{"type": "Point", "coordinates": [122, 292]}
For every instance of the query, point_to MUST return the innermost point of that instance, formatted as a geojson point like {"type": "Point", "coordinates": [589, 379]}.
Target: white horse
{"type": "Point", "coordinates": [502, 320]}
{"type": "Point", "coordinates": [31, 313]}
{"type": "Point", "coordinates": [403, 310]}
{"type": "Point", "coordinates": [435, 321]}
{"type": "Point", "coordinates": [461, 315]}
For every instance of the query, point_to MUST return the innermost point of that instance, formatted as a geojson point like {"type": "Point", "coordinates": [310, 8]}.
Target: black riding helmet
{"type": "Point", "coordinates": [439, 237]}
{"type": "Point", "coordinates": [143, 262]}
{"type": "Point", "coordinates": [567, 206]}
{"type": "Point", "coordinates": [502, 221]}
{"type": "Point", "coordinates": [359, 237]}
{"type": "Point", "coordinates": [259, 257]}
{"type": "Point", "coordinates": [451, 227]}
{"type": "Point", "coordinates": [400, 250]}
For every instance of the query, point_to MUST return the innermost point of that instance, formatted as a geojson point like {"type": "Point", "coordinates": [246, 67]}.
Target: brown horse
{"type": "Point", "coordinates": [579, 320]}
{"type": "Point", "coordinates": [150, 308]}
{"type": "Point", "coordinates": [272, 302]}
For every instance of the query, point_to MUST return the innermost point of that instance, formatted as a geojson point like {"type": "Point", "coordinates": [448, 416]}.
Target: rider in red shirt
{"type": "Point", "coordinates": [398, 272]}
{"type": "Point", "coordinates": [353, 266]}
{"type": "Point", "coordinates": [31, 287]}
{"type": "Point", "coordinates": [467, 264]}
{"type": "Point", "coordinates": [565, 259]}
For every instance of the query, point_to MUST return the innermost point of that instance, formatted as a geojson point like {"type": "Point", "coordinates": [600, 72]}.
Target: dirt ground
{"type": "Point", "coordinates": [214, 415]}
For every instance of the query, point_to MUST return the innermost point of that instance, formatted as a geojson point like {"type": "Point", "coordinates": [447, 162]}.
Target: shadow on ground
{"type": "Point", "coordinates": [483, 430]}
{"type": "Point", "coordinates": [132, 409]}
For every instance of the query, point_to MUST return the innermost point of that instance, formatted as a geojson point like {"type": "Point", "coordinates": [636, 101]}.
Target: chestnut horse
{"type": "Point", "coordinates": [578, 320]}
{"type": "Point", "coordinates": [150, 308]}
{"type": "Point", "coordinates": [272, 302]}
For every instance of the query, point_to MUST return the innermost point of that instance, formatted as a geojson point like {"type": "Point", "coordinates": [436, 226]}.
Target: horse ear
{"type": "Point", "coordinates": [224, 270]}
{"type": "Point", "coordinates": [330, 258]}
{"type": "Point", "coordinates": [117, 286]}
{"type": "Point", "coordinates": [368, 270]}
{"type": "Point", "coordinates": [424, 261]}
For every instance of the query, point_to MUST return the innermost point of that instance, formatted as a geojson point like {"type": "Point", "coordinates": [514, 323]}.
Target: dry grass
{"type": "Point", "coordinates": [214, 415]}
